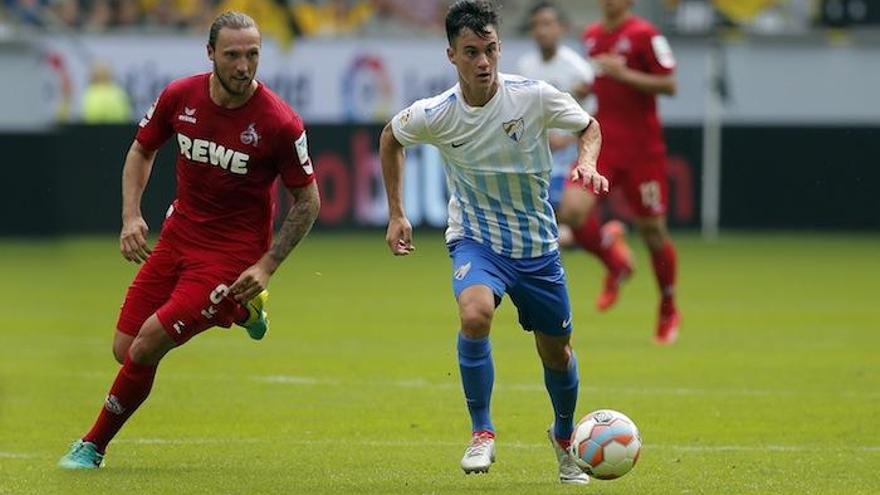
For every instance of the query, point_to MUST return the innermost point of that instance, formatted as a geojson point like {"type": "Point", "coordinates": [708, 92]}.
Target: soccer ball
{"type": "Point", "coordinates": [606, 444]}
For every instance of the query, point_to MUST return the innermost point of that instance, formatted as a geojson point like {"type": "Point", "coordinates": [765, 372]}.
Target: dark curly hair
{"type": "Point", "coordinates": [476, 15]}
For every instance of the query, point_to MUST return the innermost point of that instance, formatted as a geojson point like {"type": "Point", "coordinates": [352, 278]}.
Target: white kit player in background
{"type": "Point", "coordinates": [565, 70]}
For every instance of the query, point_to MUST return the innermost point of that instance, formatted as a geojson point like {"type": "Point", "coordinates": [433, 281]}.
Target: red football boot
{"type": "Point", "coordinates": [613, 235]}
{"type": "Point", "coordinates": [667, 328]}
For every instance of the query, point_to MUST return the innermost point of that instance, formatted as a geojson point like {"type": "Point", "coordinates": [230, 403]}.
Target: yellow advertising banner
{"type": "Point", "coordinates": [742, 10]}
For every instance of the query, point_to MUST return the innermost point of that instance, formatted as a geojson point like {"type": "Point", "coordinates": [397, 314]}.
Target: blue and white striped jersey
{"type": "Point", "coordinates": [497, 160]}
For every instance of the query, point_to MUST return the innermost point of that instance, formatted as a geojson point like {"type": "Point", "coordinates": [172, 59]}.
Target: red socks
{"type": "Point", "coordinates": [589, 237]}
{"type": "Point", "coordinates": [240, 313]}
{"type": "Point", "coordinates": [131, 388]}
{"type": "Point", "coordinates": [664, 261]}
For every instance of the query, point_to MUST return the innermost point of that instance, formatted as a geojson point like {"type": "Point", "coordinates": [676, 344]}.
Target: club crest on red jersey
{"type": "Point", "coordinates": [250, 136]}
{"type": "Point", "coordinates": [514, 128]}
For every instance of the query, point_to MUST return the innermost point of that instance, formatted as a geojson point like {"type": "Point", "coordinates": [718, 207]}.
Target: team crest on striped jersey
{"type": "Point", "coordinates": [515, 129]}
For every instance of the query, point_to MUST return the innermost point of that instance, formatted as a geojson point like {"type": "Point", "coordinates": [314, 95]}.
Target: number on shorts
{"type": "Point", "coordinates": [219, 293]}
{"type": "Point", "coordinates": [650, 192]}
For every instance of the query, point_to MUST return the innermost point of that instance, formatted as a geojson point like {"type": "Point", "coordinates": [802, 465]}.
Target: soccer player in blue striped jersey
{"type": "Point", "coordinates": [492, 131]}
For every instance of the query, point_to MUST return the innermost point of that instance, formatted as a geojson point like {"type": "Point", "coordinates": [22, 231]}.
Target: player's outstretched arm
{"type": "Point", "coordinates": [135, 175]}
{"type": "Point", "coordinates": [399, 233]}
{"type": "Point", "coordinates": [299, 220]}
{"type": "Point", "coordinates": [589, 144]}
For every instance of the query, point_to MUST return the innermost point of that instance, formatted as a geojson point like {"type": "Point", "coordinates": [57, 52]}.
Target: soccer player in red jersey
{"type": "Point", "coordinates": [215, 253]}
{"type": "Point", "coordinates": [634, 64]}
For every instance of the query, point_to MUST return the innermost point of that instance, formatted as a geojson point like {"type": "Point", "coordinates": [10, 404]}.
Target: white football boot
{"type": "Point", "coordinates": [569, 472]}
{"type": "Point", "coordinates": [479, 454]}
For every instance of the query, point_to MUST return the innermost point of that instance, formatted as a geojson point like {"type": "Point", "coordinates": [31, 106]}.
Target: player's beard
{"type": "Point", "coordinates": [227, 86]}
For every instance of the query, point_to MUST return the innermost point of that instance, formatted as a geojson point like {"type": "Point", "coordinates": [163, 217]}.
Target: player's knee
{"type": "Point", "coordinates": [119, 353]}
{"type": "Point", "coordinates": [556, 356]}
{"type": "Point", "coordinates": [148, 348]}
{"type": "Point", "coordinates": [654, 235]}
{"type": "Point", "coordinates": [575, 207]}
{"type": "Point", "coordinates": [476, 319]}
{"type": "Point", "coordinates": [571, 215]}
{"type": "Point", "coordinates": [141, 351]}
{"type": "Point", "coordinates": [121, 343]}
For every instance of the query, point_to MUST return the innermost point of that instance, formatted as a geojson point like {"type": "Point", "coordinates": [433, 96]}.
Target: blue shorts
{"type": "Point", "coordinates": [536, 285]}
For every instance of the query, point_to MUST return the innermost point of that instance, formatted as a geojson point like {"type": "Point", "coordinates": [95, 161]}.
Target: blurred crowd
{"type": "Point", "coordinates": [281, 18]}
{"type": "Point", "coordinates": [756, 16]}
{"type": "Point", "coordinates": [288, 19]}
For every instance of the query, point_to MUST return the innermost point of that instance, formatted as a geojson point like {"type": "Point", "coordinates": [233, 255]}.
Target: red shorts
{"type": "Point", "coordinates": [185, 286]}
{"type": "Point", "coordinates": [641, 180]}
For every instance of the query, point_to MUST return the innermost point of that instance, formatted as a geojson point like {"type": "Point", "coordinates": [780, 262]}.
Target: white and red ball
{"type": "Point", "coordinates": [606, 444]}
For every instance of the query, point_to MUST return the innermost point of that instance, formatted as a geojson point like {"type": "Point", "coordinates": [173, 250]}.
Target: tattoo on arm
{"type": "Point", "coordinates": [298, 222]}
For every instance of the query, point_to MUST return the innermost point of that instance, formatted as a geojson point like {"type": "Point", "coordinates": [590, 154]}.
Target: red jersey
{"type": "Point", "coordinates": [630, 125]}
{"type": "Point", "coordinates": [227, 164]}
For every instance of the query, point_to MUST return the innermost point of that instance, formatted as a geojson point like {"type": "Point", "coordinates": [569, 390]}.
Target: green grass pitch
{"type": "Point", "coordinates": [774, 386]}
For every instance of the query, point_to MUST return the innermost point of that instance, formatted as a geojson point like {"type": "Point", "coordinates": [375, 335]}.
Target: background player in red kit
{"type": "Point", "coordinates": [213, 260]}
{"type": "Point", "coordinates": [634, 63]}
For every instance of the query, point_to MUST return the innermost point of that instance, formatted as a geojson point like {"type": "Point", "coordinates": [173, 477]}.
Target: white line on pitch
{"type": "Point", "coordinates": [419, 383]}
{"type": "Point", "coordinates": [297, 380]}
{"type": "Point", "coordinates": [514, 445]}
{"type": "Point", "coordinates": [537, 387]}
{"type": "Point", "coordinates": [186, 441]}
{"type": "Point", "coordinates": [14, 455]}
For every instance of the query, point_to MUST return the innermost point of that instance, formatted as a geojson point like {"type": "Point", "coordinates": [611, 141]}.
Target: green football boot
{"type": "Point", "coordinates": [82, 455]}
{"type": "Point", "coordinates": [257, 323]}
